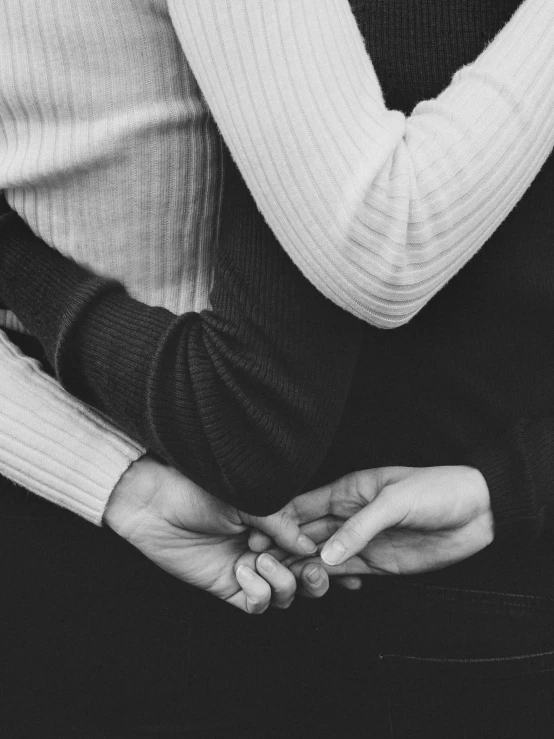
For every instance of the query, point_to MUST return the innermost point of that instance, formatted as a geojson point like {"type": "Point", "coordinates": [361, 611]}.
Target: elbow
{"type": "Point", "coordinates": [391, 319]}
{"type": "Point", "coordinates": [389, 302]}
{"type": "Point", "coordinates": [389, 289]}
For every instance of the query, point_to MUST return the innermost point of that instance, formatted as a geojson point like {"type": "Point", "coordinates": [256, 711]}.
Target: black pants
{"type": "Point", "coordinates": [97, 643]}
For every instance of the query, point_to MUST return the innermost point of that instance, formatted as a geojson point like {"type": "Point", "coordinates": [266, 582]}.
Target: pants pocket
{"type": "Point", "coordinates": [492, 698]}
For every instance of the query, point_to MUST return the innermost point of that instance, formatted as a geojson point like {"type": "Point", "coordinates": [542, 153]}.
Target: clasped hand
{"type": "Point", "coordinates": [392, 520]}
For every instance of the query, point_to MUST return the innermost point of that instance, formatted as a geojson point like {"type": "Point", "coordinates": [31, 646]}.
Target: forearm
{"type": "Point", "coordinates": [52, 444]}
{"type": "Point", "coordinates": [245, 399]}
{"type": "Point", "coordinates": [377, 209]}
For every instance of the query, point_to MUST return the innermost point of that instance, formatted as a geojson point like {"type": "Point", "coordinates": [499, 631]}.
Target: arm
{"type": "Point", "coordinates": [377, 209]}
{"type": "Point", "coordinates": [434, 516]}
{"type": "Point", "coordinates": [244, 399]}
{"type": "Point", "coordinates": [519, 471]}
{"type": "Point", "coordinates": [202, 541]}
{"type": "Point", "coordinates": [54, 445]}
{"type": "Point", "coordinates": [58, 448]}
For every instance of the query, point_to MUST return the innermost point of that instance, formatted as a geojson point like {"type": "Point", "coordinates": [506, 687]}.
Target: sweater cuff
{"type": "Point", "coordinates": [510, 470]}
{"type": "Point", "coordinates": [53, 445]}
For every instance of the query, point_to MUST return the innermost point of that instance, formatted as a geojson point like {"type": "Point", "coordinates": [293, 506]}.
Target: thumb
{"type": "Point", "coordinates": [282, 529]}
{"type": "Point", "coordinates": [382, 513]}
{"type": "Point", "coordinates": [258, 541]}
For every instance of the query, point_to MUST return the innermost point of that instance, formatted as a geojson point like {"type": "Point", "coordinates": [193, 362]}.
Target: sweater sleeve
{"type": "Point", "coordinates": [54, 445]}
{"type": "Point", "coordinates": [51, 443]}
{"type": "Point", "coordinates": [519, 470]}
{"type": "Point", "coordinates": [244, 399]}
{"type": "Point", "coordinates": [377, 209]}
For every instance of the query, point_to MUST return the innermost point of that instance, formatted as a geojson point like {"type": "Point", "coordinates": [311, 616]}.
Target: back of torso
{"type": "Point", "coordinates": [107, 148]}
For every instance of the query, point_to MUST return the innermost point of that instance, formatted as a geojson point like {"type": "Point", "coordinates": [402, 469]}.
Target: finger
{"type": "Point", "coordinates": [315, 504]}
{"type": "Point", "coordinates": [349, 582]}
{"type": "Point", "coordinates": [259, 542]}
{"type": "Point", "coordinates": [341, 497]}
{"type": "Point", "coordinates": [280, 579]}
{"type": "Point", "coordinates": [283, 529]}
{"type": "Point", "coordinates": [314, 581]}
{"type": "Point", "coordinates": [322, 529]}
{"type": "Point", "coordinates": [256, 591]}
{"type": "Point", "coordinates": [385, 511]}
{"type": "Point", "coordinates": [311, 581]}
{"type": "Point", "coordinates": [316, 531]}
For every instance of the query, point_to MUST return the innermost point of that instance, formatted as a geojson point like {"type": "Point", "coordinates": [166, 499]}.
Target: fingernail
{"type": "Point", "coordinates": [245, 571]}
{"type": "Point", "coordinates": [314, 576]}
{"type": "Point", "coordinates": [306, 544]}
{"type": "Point", "coordinates": [267, 563]}
{"type": "Point", "coordinates": [333, 553]}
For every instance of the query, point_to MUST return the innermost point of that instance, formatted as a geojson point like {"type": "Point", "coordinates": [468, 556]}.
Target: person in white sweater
{"type": "Point", "coordinates": [116, 163]}
{"type": "Point", "coordinates": [377, 208]}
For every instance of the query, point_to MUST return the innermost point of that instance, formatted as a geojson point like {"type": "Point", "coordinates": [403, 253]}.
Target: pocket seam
{"type": "Point", "coordinates": [469, 660]}
{"type": "Point", "coordinates": [514, 598]}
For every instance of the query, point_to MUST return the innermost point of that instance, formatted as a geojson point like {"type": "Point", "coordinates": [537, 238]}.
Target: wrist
{"type": "Point", "coordinates": [481, 488]}
{"type": "Point", "coordinates": [482, 503]}
{"type": "Point", "coordinates": [132, 495]}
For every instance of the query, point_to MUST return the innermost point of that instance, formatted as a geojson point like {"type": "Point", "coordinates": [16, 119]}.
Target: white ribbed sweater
{"type": "Point", "coordinates": [377, 209]}
{"type": "Point", "coordinates": [107, 150]}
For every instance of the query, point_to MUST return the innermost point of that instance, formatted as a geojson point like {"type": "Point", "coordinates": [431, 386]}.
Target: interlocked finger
{"type": "Point", "coordinates": [349, 582]}
{"type": "Point", "coordinates": [317, 531]}
{"type": "Point", "coordinates": [259, 542]}
{"type": "Point", "coordinates": [256, 591]}
{"type": "Point", "coordinates": [281, 528]}
{"type": "Point", "coordinates": [280, 579]}
{"type": "Point", "coordinates": [322, 529]}
{"type": "Point", "coordinates": [313, 580]}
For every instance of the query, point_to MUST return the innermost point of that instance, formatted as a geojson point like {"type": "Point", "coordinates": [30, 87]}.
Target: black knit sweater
{"type": "Point", "coordinates": [470, 379]}
{"type": "Point", "coordinates": [246, 398]}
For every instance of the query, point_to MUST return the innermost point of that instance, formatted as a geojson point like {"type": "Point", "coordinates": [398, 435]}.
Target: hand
{"type": "Point", "coordinates": [396, 520]}
{"type": "Point", "coordinates": [203, 541]}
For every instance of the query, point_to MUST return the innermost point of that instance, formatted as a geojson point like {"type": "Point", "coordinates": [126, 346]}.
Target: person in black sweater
{"type": "Point", "coordinates": [244, 398]}
{"type": "Point", "coordinates": [468, 382]}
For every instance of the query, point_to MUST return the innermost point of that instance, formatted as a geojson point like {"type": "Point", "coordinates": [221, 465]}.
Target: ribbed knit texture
{"type": "Point", "coordinates": [245, 398]}
{"type": "Point", "coordinates": [106, 146]}
{"type": "Point", "coordinates": [469, 366]}
{"type": "Point", "coordinates": [474, 362]}
{"type": "Point", "coordinates": [54, 445]}
{"type": "Point", "coordinates": [472, 380]}
{"type": "Point", "coordinates": [108, 152]}
{"type": "Point", "coordinates": [378, 209]}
